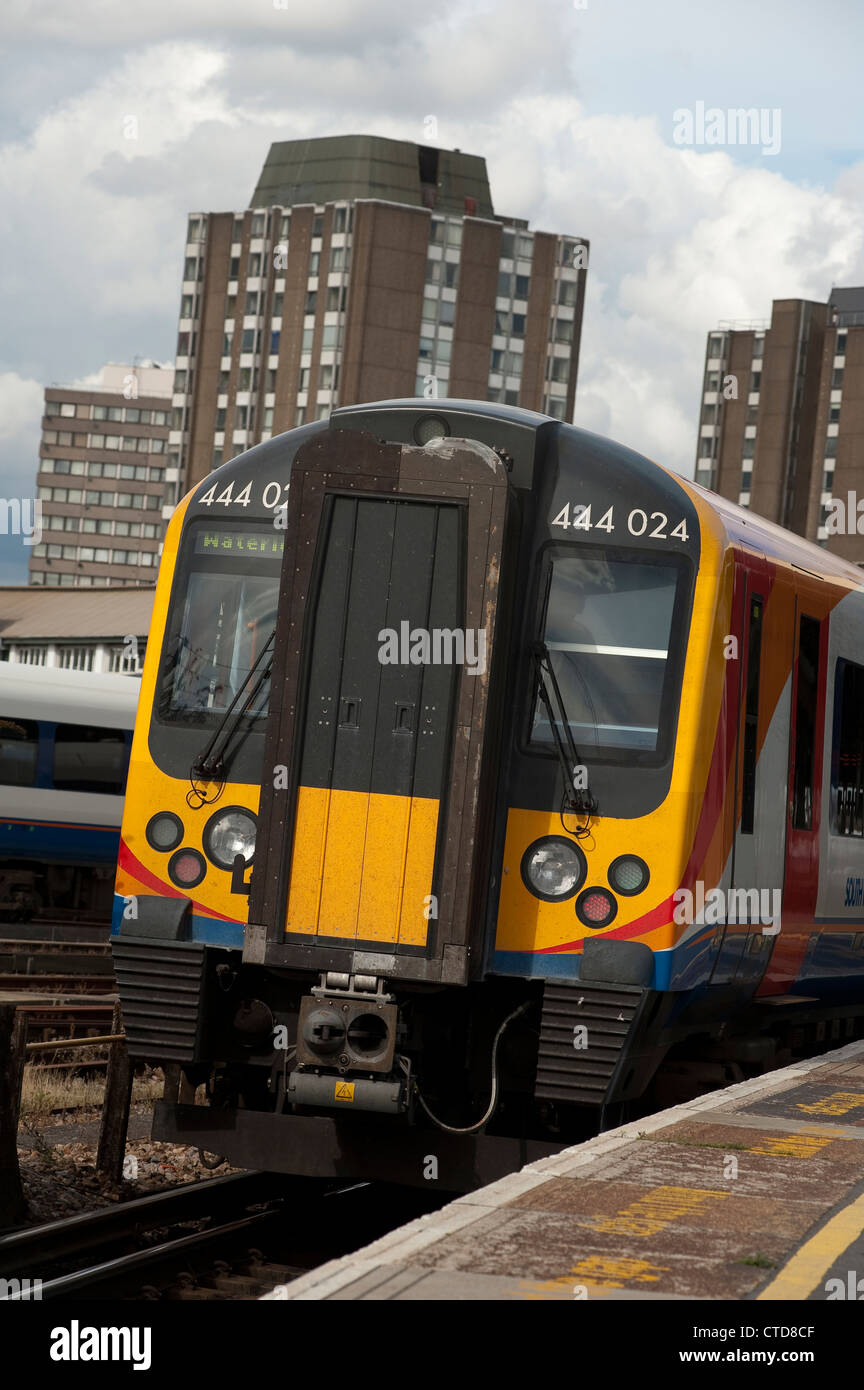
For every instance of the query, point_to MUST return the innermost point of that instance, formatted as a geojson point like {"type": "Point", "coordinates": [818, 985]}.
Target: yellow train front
{"type": "Point", "coordinates": [433, 751]}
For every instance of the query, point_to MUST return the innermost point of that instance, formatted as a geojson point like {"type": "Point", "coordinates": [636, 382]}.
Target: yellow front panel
{"type": "Point", "coordinates": [387, 835]}
{"type": "Point", "coordinates": [307, 864]}
{"type": "Point", "coordinates": [362, 865]}
{"type": "Point", "coordinates": [419, 861]}
{"type": "Point", "coordinates": [345, 835]}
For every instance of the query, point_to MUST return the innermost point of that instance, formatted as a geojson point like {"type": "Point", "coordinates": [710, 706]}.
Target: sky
{"type": "Point", "coordinates": [117, 120]}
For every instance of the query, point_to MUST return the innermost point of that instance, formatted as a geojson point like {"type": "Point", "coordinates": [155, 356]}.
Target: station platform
{"type": "Point", "coordinates": [754, 1192]}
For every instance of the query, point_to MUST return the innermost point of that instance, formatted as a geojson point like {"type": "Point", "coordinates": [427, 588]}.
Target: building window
{"type": "Point", "coordinates": [122, 662]}
{"type": "Point", "coordinates": [75, 658]}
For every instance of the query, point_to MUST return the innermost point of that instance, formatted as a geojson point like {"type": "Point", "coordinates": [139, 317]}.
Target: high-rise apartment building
{"type": "Point", "coordinates": [782, 417]}
{"type": "Point", "coordinates": [103, 468]}
{"type": "Point", "coordinates": [366, 269]}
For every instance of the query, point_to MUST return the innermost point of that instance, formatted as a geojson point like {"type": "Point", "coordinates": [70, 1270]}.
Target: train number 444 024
{"type": "Point", "coordinates": [576, 516]}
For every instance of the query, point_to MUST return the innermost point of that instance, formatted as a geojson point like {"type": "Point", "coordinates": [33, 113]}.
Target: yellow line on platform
{"type": "Point", "coordinates": [808, 1266]}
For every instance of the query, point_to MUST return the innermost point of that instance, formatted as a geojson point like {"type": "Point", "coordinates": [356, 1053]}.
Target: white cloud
{"type": "Point", "coordinates": [20, 407]}
{"type": "Point", "coordinates": [91, 222]}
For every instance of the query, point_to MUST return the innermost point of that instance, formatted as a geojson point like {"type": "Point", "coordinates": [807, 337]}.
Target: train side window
{"type": "Point", "coordinates": [805, 723]}
{"type": "Point", "coordinates": [847, 751]}
{"type": "Point", "coordinates": [90, 760]}
{"type": "Point", "coordinates": [751, 714]}
{"type": "Point", "coordinates": [19, 741]}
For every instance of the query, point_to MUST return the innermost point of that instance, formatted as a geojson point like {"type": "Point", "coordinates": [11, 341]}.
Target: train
{"type": "Point", "coordinates": [488, 778]}
{"type": "Point", "coordinates": [65, 738]}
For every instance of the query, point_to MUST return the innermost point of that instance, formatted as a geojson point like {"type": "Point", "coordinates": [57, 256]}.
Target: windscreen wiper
{"type": "Point", "coordinates": [577, 800]}
{"type": "Point", "coordinates": [209, 764]}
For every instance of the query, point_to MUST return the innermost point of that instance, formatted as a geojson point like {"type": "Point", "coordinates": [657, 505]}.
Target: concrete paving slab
{"type": "Point", "coordinates": [733, 1196]}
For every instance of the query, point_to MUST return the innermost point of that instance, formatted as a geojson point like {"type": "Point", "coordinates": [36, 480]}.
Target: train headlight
{"type": "Point", "coordinates": [596, 907]}
{"type": "Point", "coordinates": [229, 833]}
{"type": "Point", "coordinates": [628, 874]}
{"type": "Point", "coordinates": [553, 868]}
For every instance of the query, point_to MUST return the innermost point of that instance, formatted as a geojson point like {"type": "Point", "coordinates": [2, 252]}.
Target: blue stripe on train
{"type": "Point", "coordinates": [67, 844]}
{"type": "Point", "coordinates": [214, 933]}
{"type": "Point", "coordinates": [536, 965]}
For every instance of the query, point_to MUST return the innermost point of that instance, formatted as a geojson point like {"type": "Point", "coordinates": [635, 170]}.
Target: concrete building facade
{"type": "Point", "coordinates": [366, 269]}
{"type": "Point", "coordinates": [782, 417]}
{"type": "Point", "coordinates": [103, 468]}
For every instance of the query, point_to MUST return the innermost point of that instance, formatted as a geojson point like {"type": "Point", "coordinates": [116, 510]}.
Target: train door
{"type": "Point", "coordinates": [374, 736]}
{"type": "Point", "coordinates": [806, 742]}
{"type": "Point", "coordinates": [756, 876]}
{"type": "Point", "coordinates": [384, 655]}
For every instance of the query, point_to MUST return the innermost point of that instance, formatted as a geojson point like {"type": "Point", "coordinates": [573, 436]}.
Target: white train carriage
{"type": "Point", "coordinates": [64, 751]}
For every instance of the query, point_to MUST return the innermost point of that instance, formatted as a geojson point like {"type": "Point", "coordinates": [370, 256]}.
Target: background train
{"type": "Point", "coordinates": [483, 782]}
{"type": "Point", "coordinates": [64, 750]}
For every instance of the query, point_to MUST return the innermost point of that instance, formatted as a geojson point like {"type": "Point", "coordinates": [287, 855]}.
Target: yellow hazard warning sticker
{"type": "Point", "coordinates": [344, 1090]}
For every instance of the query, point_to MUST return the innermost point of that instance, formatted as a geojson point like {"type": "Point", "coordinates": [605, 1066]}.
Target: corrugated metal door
{"type": "Point", "coordinates": [375, 736]}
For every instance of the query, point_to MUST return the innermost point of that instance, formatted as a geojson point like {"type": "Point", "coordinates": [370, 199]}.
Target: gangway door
{"type": "Point", "coordinates": [368, 852]}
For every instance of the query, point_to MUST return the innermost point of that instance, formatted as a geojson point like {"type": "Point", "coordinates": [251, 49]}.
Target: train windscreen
{"type": "Point", "coordinates": [230, 576]}
{"type": "Point", "coordinates": [609, 629]}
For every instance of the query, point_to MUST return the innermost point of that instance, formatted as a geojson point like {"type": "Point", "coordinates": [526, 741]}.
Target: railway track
{"type": "Point", "coordinates": [57, 984]}
{"type": "Point", "coordinates": [249, 1232]}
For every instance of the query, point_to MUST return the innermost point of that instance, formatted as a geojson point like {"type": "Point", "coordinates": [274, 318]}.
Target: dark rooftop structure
{"type": "Point", "coordinates": [336, 167]}
{"type": "Point", "coordinates": [848, 306]}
